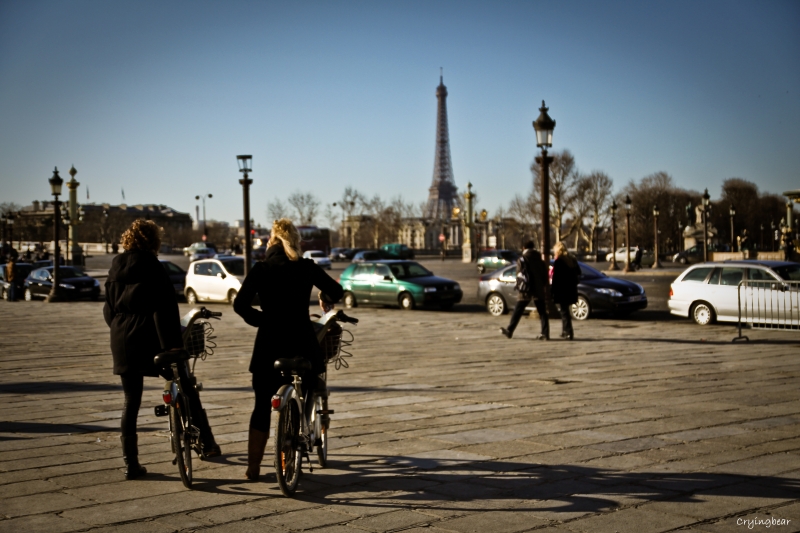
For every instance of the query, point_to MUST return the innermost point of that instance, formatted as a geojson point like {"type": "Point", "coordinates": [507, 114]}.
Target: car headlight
{"type": "Point", "coordinates": [641, 289]}
{"type": "Point", "coordinates": [96, 283]}
{"type": "Point", "coordinates": [456, 287]}
{"type": "Point", "coordinates": [610, 292]}
{"type": "Point", "coordinates": [430, 289]}
{"type": "Point", "coordinates": [66, 285]}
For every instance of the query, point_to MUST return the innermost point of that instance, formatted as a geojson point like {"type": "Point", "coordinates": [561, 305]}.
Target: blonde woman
{"type": "Point", "coordinates": [566, 272]}
{"type": "Point", "coordinates": [283, 283]}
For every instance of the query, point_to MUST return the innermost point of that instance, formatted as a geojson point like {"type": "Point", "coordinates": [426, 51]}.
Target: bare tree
{"type": "Point", "coordinates": [597, 193]}
{"type": "Point", "coordinates": [525, 210]}
{"type": "Point", "coordinates": [563, 183]}
{"type": "Point", "coordinates": [276, 209]}
{"type": "Point", "coordinates": [306, 205]}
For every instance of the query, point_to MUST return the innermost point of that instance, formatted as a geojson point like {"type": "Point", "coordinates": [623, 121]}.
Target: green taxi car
{"type": "Point", "coordinates": [491, 260]}
{"type": "Point", "coordinates": [395, 282]}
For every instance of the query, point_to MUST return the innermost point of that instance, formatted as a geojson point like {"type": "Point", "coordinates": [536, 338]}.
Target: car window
{"type": "Point", "coordinates": [758, 274]}
{"type": "Point", "coordinates": [588, 272]}
{"type": "Point", "coordinates": [381, 271]}
{"type": "Point", "coordinates": [41, 275]}
{"type": "Point", "coordinates": [202, 269]}
{"type": "Point", "coordinates": [234, 266]}
{"type": "Point", "coordinates": [363, 272]}
{"type": "Point", "coordinates": [731, 276]}
{"type": "Point", "coordinates": [410, 270]}
{"type": "Point", "coordinates": [789, 272]}
{"type": "Point", "coordinates": [172, 269]}
{"type": "Point", "coordinates": [215, 269]}
{"type": "Point", "coordinates": [510, 273]}
{"type": "Point", "coordinates": [697, 275]}
{"type": "Point", "coordinates": [508, 256]}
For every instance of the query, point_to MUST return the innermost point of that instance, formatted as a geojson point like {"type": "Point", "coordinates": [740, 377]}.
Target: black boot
{"type": "Point", "coordinates": [207, 442]}
{"type": "Point", "coordinates": [130, 454]}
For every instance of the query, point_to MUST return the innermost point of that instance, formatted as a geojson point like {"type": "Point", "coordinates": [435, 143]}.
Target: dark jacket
{"type": "Point", "coordinates": [537, 275]}
{"type": "Point", "coordinates": [284, 290]}
{"type": "Point", "coordinates": [141, 311]}
{"type": "Point", "coordinates": [566, 272]}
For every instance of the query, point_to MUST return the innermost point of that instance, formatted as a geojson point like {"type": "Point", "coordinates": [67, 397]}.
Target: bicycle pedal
{"type": "Point", "coordinates": [325, 412]}
{"type": "Point", "coordinates": [161, 410]}
{"type": "Point", "coordinates": [198, 387]}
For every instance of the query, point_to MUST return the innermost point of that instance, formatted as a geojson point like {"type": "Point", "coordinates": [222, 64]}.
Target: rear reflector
{"type": "Point", "coordinates": [167, 396]}
{"type": "Point", "coordinates": [276, 402]}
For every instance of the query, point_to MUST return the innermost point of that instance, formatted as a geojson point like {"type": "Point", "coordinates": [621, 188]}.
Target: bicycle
{"type": "Point", "coordinates": [198, 344]}
{"type": "Point", "coordinates": [296, 436]}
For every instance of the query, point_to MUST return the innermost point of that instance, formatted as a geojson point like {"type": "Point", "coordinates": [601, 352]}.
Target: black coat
{"type": "Point", "coordinates": [566, 272]}
{"type": "Point", "coordinates": [537, 275]}
{"type": "Point", "coordinates": [141, 311]}
{"type": "Point", "coordinates": [284, 290]}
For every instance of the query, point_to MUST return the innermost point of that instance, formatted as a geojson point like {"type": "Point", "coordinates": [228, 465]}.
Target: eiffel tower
{"type": "Point", "coordinates": [443, 193]}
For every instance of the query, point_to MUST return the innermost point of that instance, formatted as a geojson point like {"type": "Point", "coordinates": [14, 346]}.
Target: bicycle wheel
{"type": "Point", "coordinates": [180, 444]}
{"type": "Point", "coordinates": [321, 423]}
{"type": "Point", "coordinates": [287, 456]}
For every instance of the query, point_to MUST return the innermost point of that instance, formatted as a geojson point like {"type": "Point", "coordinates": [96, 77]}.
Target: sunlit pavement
{"type": "Point", "coordinates": [440, 424]}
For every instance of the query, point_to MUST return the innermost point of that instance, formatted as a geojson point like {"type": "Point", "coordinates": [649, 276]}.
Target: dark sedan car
{"type": "Point", "coordinates": [74, 284]}
{"type": "Point", "coordinates": [177, 276]}
{"type": "Point", "coordinates": [396, 282]}
{"type": "Point", "coordinates": [596, 292]}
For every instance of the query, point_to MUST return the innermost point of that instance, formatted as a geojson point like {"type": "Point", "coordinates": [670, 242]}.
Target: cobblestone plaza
{"type": "Point", "coordinates": [440, 424]}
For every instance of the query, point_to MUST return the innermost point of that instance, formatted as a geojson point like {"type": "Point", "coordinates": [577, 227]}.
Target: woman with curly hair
{"type": "Point", "coordinates": [283, 282]}
{"type": "Point", "coordinates": [566, 273]}
{"type": "Point", "coordinates": [142, 312]}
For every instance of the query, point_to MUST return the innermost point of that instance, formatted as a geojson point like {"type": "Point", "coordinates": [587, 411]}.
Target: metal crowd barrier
{"type": "Point", "coordinates": [768, 305]}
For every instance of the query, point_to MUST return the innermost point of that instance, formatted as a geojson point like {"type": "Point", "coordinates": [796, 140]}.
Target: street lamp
{"type": "Point", "coordinates": [656, 260]}
{"type": "Point", "coordinates": [245, 167]}
{"type": "Point", "coordinates": [105, 227]}
{"type": "Point", "coordinates": [761, 243]}
{"type": "Point", "coordinates": [10, 222]}
{"type": "Point", "coordinates": [544, 126]}
{"type": "Point", "coordinates": [706, 199]}
{"type": "Point", "coordinates": [679, 242]}
{"type": "Point", "coordinates": [732, 213]}
{"type": "Point", "coordinates": [628, 267]}
{"type": "Point", "coordinates": [774, 236]}
{"type": "Point", "coordinates": [209, 195]}
{"type": "Point", "coordinates": [55, 188]}
{"type": "Point", "coordinates": [613, 210]}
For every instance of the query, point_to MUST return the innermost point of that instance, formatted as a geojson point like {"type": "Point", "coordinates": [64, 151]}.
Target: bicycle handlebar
{"type": "Point", "coordinates": [341, 317]}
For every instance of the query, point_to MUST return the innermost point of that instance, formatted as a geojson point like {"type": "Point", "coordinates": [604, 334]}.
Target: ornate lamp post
{"type": "Point", "coordinates": [732, 213]}
{"type": "Point", "coordinates": [55, 188]}
{"type": "Point", "coordinates": [656, 260]}
{"type": "Point", "coordinates": [209, 195]}
{"type": "Point", "coordinates": [613, 210]}
{"type": "Point", "coordinates": [466, 246]}
{"type": "Point", "coordinates": [105, 227]}
{"type": "Point", "coordinates": [74, 220]}
{"type": "Point", "coordinates": [10, 222]}
{"type": "Point", "coordinates": [679, 242]}
{"type": "Point", "coordinates": [761, 243]}
{"type": "Point", "coordinates": [628, 267]}
{"type": "Point", "coordinates": [706, 199]}
{"type": "Point", "coordinates": [245, 167]}
{"type": "Point", "coordinates": [544, 126]}
{"type": "Point", "coordinates": [773, 234]}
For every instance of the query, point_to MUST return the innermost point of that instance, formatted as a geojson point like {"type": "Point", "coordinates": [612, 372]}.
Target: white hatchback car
{"type": "Point", "coordinates": [709, 292]}
{"type": "Point", "coordinates": [214, 280]}
{"type": "Point", "coordinates": [319, 258]}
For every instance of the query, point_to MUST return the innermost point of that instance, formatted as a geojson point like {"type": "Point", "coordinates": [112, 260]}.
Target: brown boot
{"type": "Point", "coordinates": [256, 442]}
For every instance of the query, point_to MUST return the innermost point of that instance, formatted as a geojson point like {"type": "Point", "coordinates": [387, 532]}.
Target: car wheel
{"type": "Point", "coordinates": [191, 297]}
{"type": "Point", "coordinates": [703, 314]}
{"type": "Point", "coordinates": [406, 301]}
{"type": "Point", "coordinates": [28, 295]}
{"type": "Point", "coordinates": [682, 260]}
{"type": "Point", "coordinates": [580, 310]}
{"type": "Point", "coordinates": [496, 305]}
{"type": "Point", "coordinates": [232, 296]}
{"type": "Point", "coordinates": [350, 300]}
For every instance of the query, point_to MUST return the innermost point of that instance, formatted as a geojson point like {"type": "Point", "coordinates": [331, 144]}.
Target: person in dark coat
{"type": "Point", "coordinates": [11, 278]}
{"type": "Point", "coordinates": [536, 270]}
{"type": "Point", "coordinates": [283, 283]}
{"type": "Point", "coordinates": [142, 312]}
{"type": "Point", "coordinates": [566, 273]}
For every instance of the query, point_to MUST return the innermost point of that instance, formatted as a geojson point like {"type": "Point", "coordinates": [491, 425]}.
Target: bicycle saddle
{"type": "Point", "coordinates": [297, 363]}
{"type": "Point", "coordinates": [165, 359]}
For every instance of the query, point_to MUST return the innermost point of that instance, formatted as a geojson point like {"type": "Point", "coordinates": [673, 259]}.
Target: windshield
{"type": "Point", "coordinates": [66, 272]}
{"type": "Point", "coordinates": [409, 270]}
{"type": "Point", "coordinates": [234, 266]}
{"type": "Point", "coordinates": [316, 254]}
{"type": "Point", "coordinates": [788, 272]}
{"type": "Point", "coordinates": [588, 272]}
{"type": "Point", "coordinates": [508, 256]}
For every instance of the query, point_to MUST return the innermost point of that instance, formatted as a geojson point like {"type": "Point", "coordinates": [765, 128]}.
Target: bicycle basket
{"type": "Point", "coordinates": [332, 342]}
{"type": "Point", "coordinates": [196, 341]}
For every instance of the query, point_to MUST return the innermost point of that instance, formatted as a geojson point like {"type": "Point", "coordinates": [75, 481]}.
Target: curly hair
{"type": "Point", "coordinates": [560, 249]}
{"type": "Point", "coordinates": [283, 231]}
{"type": "Point", "coordinates": [143, 235]}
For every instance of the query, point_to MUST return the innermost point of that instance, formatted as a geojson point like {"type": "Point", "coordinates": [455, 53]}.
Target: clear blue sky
{"type": "Point", "coordinates": [159, 97]}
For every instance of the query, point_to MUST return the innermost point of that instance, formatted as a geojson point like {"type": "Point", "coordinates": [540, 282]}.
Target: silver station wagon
{"type": "Point", "coordinates": [709, 292]}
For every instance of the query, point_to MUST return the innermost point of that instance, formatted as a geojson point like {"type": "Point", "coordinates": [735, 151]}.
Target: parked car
{"type": "Point", "coordinates": [189, 250]}
{"type": "Point", "coordinates": [338, 254]}
{"type": "Point", "coordinates": [176, 274]}
{"type": "Point", "coordinates": [22, 271]}
{"type": "Point", "coordinates": [397, 251]}
{"type": "Point", "coordinates": [366, 255]}
{"type": "Point", "coordinates": [491, 260]}
{"type": "Point", "coordinates": [319, 258]}
{"type": "Point", "coordinates": [214, 280]}
{"type": "Point", "coordinates": [596, 292]}
{"type": "Point", "coordinates": [202, 253]}
{"type": "Point", "coordinates": [709, 292]}
{"type": "Point", "coordinates": [694, 254]}
{"type": "Point", "coordinates": [74, 284]}
{"type": "Point", "coordinates": [396, 282]}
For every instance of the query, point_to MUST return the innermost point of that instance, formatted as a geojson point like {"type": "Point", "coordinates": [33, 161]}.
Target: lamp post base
{"type": "Point", "coordinates": [628, 268]}
{"type": "Point", "coordinates": [657, 264]}
{"type": "Point", "coordinates": [54, 296]}
{"type": "Point", "coordinates": [613, 266]}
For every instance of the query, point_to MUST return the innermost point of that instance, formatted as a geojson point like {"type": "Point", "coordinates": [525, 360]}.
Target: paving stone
{"type": "Point", "coordinates": [305, 519]}
{"type": "Point", "coordinates": [506, 521]}
{"type": "Point", "coordinates": [390, 521]}
{"type": "Point", "coordinates": [40, 523]}
{"type": "Point", "coordinates": [39, 503]}
{"type": "Point", "coordinates": [639, 520]}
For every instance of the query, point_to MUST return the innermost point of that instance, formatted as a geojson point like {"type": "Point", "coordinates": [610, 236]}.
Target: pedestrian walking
{"type": "Point", "coordinates": [11, 278]}
{"type": "Point", "coordinates": [566, 272]}
{"type": "Point", "coordinates": [637, 259]}
{"type": "Point", "coordinates": [142, 312]}
{"type": "Point", "coordinates": [531, 285]}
